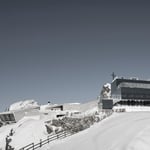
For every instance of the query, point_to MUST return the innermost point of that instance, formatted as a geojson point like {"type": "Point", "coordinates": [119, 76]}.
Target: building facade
{"type": "Point", "coordinates": [130, 91]}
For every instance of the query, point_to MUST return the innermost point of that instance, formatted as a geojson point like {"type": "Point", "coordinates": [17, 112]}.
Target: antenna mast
{"type": "Point", "coordinates": [113, 75]}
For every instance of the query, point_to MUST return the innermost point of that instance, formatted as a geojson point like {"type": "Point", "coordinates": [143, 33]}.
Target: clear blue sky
{"type": "Point", "coordinates": [64, 51]}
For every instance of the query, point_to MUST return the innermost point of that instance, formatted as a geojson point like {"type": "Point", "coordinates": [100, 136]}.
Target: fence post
{"type": "Point", "coordinates": [48, 139]}
{"type": "Point", "coordinates": [57, 136]}
{"type": "Point", "coordinates": [40, 142]}
{"type": "Point", "coordinates": [33, 145]}
{"type": "Point", "coordinates": [65, 133]}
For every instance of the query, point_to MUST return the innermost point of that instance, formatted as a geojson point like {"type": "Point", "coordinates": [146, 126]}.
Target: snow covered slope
{"type": "Point", "coordinates": [31, 128]}
{"type": "Point", "coordinates": [26, 131]}
{"type": "Point", "coordinates": [126, 131]}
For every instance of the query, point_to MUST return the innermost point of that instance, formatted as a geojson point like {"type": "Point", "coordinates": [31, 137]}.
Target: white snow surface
{"type": "Point", "coordinates": [82, 107]}
{"type": "Point", "coordinates": [27, 130]}
{"type": "Point", "coordinates": [121, 131]}
{"type": "Point", "coordinates": [132, 108]}
{"type": "Point", "coordinates": [23, 105]}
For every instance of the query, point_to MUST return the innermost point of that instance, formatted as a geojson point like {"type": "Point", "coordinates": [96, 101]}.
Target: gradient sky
{"type": "Point", "coordinates": [64, 51]}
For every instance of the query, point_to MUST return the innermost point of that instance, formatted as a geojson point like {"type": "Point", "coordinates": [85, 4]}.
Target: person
{"type": "Point", "coordinates": [11, 132]}
{"type": "Point", "coordinates": [8, 140]}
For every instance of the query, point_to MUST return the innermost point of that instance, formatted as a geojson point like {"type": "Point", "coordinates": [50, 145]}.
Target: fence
{"type": "Point", "coordinates": [120, 110]}
{"type": "Point", "coordinates": [58, 135]}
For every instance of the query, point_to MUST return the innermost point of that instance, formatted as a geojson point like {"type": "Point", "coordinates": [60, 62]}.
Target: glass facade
{"type": "Point", "coordinates": [129, 89]}
{"type": "Point", "coordinates": [135, 93]}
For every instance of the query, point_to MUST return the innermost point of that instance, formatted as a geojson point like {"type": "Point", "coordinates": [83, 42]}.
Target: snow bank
{"type": "Point", "coordinates": [23, 105]}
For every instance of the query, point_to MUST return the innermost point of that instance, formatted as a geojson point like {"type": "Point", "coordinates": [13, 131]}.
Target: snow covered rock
{"type": "Point", "coordinates": [106, 91]}
{"type": "Point", "coordinates": [23, 105]}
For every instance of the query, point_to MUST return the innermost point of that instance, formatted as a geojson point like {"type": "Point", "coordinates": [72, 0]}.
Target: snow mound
{"type": "Point", "coordinates": [23, 105]}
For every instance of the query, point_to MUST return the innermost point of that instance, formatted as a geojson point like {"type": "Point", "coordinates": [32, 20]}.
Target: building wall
{"type": "Point", "coordinates": [129, 89]}
{"type": "Point", "coordinates": [107, 103]}
{"type": "Point", "coordinates": [7, 118]}
{"type": "Point", "coordinates": [15, 116]}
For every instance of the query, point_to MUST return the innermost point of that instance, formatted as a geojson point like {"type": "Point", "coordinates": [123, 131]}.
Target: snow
{"type": "Point", "coordinates": [107, 85]}
{"type": "Point", "coordinates": [122, 131]}
{"type": "Point", "coordinates": [81, 107]}
{"type": "Point", "coordinates": [128, 130]}
{"type": "Point", "coordinates": [27, 130]}
{"type": "Point", "coordinates": [132, 108]}
{"type": "Point", "coordinates": [74, 103]}
{"type": "Point", "coordinates": [31, 128]}
{"type": "Point", "coordinates": [23, 105]}
{"type": "Point", "coordinates": [106, 91]}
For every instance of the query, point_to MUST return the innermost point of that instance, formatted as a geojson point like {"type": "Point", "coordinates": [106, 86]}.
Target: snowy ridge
{"type": "Point", "coordinates": [23, 105]}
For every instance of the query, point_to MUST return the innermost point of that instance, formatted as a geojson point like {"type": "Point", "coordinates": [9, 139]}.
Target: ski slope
{"type": "Point", "coordinates": [124, 131]}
